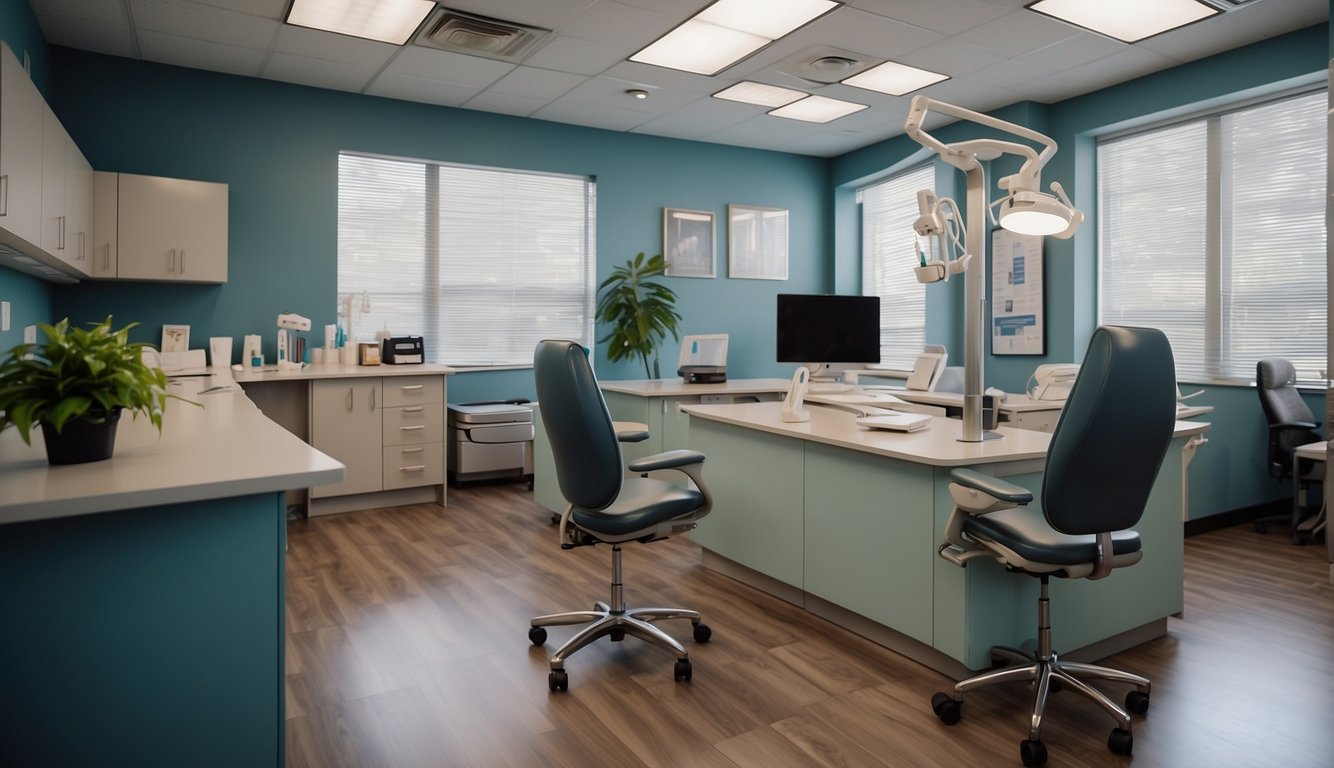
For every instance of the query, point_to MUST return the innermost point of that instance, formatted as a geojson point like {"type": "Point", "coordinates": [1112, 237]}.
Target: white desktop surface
{"type": "Point", "coordinates": [678, 387]}
{"type": "Point", "coordinates": [271, 373]}
{"type": "Point", "coordinates": [225, 448]}
{"type": "Point", "coordinates": [1312, 451]}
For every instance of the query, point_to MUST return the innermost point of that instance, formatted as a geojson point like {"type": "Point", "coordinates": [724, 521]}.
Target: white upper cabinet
{"type": "Point", "coordinates": [21, 108]}
{"type": "Point", "coordinates": [67, 192]}
{"type": "Point", "coordinates": [167, 229]}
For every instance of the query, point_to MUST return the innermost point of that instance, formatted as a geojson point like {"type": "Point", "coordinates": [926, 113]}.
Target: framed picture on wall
{"type": "Point", "coordinates": [687, 242]}
{"type": "Point", "coordinates": [1018, 323]}
{"type": "Point", "coordinates": [756, 242]}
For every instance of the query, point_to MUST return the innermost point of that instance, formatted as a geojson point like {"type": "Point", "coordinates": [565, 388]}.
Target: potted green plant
{"type": "Point", "coordinates": [639, 310]}
{"type": "Point", "coordinates": [75, 384]}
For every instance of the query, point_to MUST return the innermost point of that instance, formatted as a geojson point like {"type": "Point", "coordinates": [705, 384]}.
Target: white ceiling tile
{"type": "Point", "coordinates": [200, 54]}
{"type": "Point", "coordinates": [700, 118]}
{"type": "Point", "coordinates": [535, 83]}
{"type": "Point", "coordinates": [320, 73]}
{"type": "Point", "coordinates": [1008, 72]}
{"type": "Point", "coordinates": [203, 22]}
{"type": "Point", "coordinates": [1123, 66]}
{"type": "Point", "coordinates": [422, 89]}
{"type": "Point", "coordinates": [1017, 34]}
{"type": "Point", "coordinates": [870, 34]}
{"type": "Point", "coordinates": [445, 66]}
{"type": "Point", "coordinates": [1264, 20]}
{"type": "Point", "coordinates": [564, 110]}
{"type": "Point", "coordinates": [578, 56]}
{"type": "Point", "coordinates": [327, 46]}
{"type": "Point", "coordinates": [681, 9]}
{"type": "Point", "coordinates": [505, 104]}
{"type": "Point", "coordinates": [99, 35]}
{"type": "Point", "coordinates": [970, 94]}
{"type": "Point", "coordinates": [622, 25]}
{"type": "Point", "coordinates": [1195, 41]}
{"type": "Point", "coordinates": [686, 82]}
{"type": "Point", "coordinates": [110, 12]}
{"type": "Point", "coordinates": [599, 92]}
{"type": "Point", "coordinates": [1074, 51]}
{"type": "Point", "coordinates": [824, 144]}
{"type": "Point", "coordinates": [767, 131]}
{"type": "Point", "coordinates": [953, 60]}
{"type": "Point", "coordinates": [547, 14]}
{"type": "Point", "coordinates": [269, 9]}
{"type": "Point", "coordinates": [946, 17]}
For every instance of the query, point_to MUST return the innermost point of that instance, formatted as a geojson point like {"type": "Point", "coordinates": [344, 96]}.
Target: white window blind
{"type": "Point", "coordinates": [1214, 231]}
{"type": "Point", "coordinates": [484, 263]}
{"type": "Point", "coordinates": [889, 209]}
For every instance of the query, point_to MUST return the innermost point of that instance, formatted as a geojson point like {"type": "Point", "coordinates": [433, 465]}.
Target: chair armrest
{"type": "Point", "coordinates": [630, 431]}
{"type": "Point", "coordinates": [1308, 426]}
{"type": "Point", "coordinates": [666, 460]}
{"type": "Point", "coordinates": [991, 486]}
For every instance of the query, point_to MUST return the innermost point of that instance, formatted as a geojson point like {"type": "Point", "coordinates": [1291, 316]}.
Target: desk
{"type": "Point", "coordinates": [846, 521]}
{"type": "Point", "coordinates": [1309, 452]}
{"type": "Point", "coordinates": [1020, 411]}
{"type": "Point", "coordinates": [655, 403]}
{"type": "Point", "coordinates": [143, 595]}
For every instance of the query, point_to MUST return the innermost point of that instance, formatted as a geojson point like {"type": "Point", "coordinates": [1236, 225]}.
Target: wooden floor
{"type": "Point", "coordinates": [407, 646]}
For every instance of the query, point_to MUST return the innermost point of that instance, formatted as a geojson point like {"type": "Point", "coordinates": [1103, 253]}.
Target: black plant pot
{"type": "Point", "coordinates": [81, 441]}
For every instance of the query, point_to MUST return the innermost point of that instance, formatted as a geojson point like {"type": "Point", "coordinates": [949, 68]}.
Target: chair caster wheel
{"type": "Point", "coordinates": [558, 680]}
{"type": "Point", "coordinates": [616, 635]}
{"type": "Point", "coordinates": [1033, 752]}
{"type": "Point", "coordinates": [682, 670]}
{"type": "Point", "coordinates": [537, 635]}
{"type": "Point", "coordinates": [946, 708]}
{"type": "Point", "coordinates": [1137, 703]}
{"type": "Point", "coordinates": [1120, 742]}
{"type": "Point", "coordinates": [702, 633]}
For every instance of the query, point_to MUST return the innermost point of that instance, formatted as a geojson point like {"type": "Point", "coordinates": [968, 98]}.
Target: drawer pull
{"type": "Point", "coordinates": [413, 428]}
{"type": "Point", "coordinates": [415, 468]}
{"type": "Point", "coordinates": [410, 387]}
{"type": "Point", "coordinates": [418, 449]}
{"type": "Point", "coordinates": [414, 409]}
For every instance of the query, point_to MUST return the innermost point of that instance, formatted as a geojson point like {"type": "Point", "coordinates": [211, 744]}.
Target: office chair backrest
{"type": "Point", "coordinates": [1113, 432]}
{"type": "Point", "coordinates": [1276, 383]}
{"type": "Point", "coordinates": [579, 429]}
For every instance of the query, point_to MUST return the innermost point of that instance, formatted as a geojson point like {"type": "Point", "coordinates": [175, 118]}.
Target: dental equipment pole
{"type": "Point", "coordinates": [967, 157]}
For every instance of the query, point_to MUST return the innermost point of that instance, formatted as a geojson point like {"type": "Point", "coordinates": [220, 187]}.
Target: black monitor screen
{"type": "Point", "coordinates": [828, 329]}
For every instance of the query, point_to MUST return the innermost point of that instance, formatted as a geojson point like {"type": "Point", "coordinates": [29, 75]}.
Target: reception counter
{"type": "Point", "coordinates": [846, 521]}
{"type": "Point", "coordinates": [143, 595]}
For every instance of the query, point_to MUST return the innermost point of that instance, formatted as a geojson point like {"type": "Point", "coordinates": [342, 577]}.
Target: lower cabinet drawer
{"type": "Point", "coordinates": [423, 423]}
{"type": "Point", "coordinates": [408, 466]}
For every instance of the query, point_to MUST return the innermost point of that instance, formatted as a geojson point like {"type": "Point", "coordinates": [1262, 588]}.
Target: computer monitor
{"type": "Point", "coordinates": [828, 334]}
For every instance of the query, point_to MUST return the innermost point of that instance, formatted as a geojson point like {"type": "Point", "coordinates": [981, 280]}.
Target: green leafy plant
{"type": "Point", "coordinates": [639, 310]}
{"type": "Point", "coordinates": [78, 374]}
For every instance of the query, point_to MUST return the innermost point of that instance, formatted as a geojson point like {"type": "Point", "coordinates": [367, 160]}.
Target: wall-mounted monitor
{"type": "Point", "coordinates": [828, 333]}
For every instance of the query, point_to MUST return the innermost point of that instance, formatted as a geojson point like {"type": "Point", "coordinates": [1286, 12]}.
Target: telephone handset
{"type": "Point", "coordinates": [1053, 382]}
{"type": "Point", "coordinates": [796, 393]}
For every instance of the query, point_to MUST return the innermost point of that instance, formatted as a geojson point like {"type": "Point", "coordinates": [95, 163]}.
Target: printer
{"type": "Point", "coordinates": [703, 359]}
{"type": "Point", "coordinates": [490, 440]}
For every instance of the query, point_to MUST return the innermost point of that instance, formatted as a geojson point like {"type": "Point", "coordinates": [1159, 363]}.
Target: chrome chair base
{"type": "Point", "coordinates": [603, 621]}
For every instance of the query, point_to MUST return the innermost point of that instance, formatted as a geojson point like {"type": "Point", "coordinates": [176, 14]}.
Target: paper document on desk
{"type": "Point", "coordinates": [896, 421]}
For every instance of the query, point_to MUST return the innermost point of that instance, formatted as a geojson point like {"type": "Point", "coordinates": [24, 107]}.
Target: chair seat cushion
{"type": "Point", "coordinates": [1025, 532]}
{"type": "Point", "coordinates": [644, 502]}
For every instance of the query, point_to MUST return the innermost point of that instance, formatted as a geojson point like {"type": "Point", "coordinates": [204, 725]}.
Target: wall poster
{"type": "Point", "coordinates": [1018, 325]}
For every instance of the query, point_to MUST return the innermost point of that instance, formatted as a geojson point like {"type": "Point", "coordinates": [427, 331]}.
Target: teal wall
{"type": "Point", "coordinates": [30, 299]}
{"type": "Point", "coordinates": [276, 145]}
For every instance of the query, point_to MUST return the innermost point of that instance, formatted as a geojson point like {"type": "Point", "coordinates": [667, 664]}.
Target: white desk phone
{"type": "Point", "coordinates": [1053, 381]}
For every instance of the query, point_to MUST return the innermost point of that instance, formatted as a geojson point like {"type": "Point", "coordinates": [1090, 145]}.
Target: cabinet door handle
{"type": "Point", "coordinates": [418, 449]}
{"type": "Point", "coordinates": [4, 195]}
{"type": "Point", "coordinates": [106, 256]}
{"type": "Point", "coordinates": [182, 261]}
{"type": "Point", "coordinates": [83, 241]}
{"type": "Point", "coordinates": [413, 428]}
{"type": "Point", "coordinates": [60, 236]}
{"type": "Point", "coordinates": [413, 409]}
{"type": "Point", "coordinates": [171, 261]}
{"type": "Point", "coordinates": [372, 398]}
{"type": "Point", "coordinates": [414, 468]}
{"type": "Point", "coordinates": [410, 387]}
{"type": "Point", "coordinates": [349, 399]}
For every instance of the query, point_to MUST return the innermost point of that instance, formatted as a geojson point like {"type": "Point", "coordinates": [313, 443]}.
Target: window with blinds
{"type": "Point", "coordinates": [889, 209]}
{"type": "Point", "coordinates": [1213, 230]}
{"type": "Point", "coordinates": [483, 263]}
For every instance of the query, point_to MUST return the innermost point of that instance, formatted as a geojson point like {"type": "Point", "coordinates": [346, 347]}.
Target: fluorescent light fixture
{"type": "Point", "coordinates": [388, 21]}
{"type": "Point", "coordinates": [759, 93]}
{"type": "Point", "coordinates": [817, 109]}
{"type": "Point", "coordinates": [894, 78]}
{"type": "Point", "coordinates": [1126, 20]}
{"type": "Point", "coordinates": [728, 31]}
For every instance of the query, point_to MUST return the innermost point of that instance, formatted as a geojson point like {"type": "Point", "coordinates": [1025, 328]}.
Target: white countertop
{"type": "Point", "coordinates": [678, 387]}
{"type": "Point", "coordinates": [937, 445]}
{"type": "Point", "coordinates": [339, 371]}
{"type": "Point", "coordinates": [225, 448]}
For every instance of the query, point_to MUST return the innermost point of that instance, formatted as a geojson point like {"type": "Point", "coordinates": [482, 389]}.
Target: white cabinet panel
{"type": "Point", "coordinates": [409, 466]}
{"type": "Point", "coordinates": [345, 424]}
{"type": "Point", "coordinates": [20, 150]}
{"type": "Point", "coordinates": [171, 229]}
{"type": "Point", "coordinates": [106, 190]}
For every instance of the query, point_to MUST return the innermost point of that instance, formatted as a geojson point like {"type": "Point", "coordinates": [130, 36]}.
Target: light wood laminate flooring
{"type": "Point", "coordinates": [407, 646]}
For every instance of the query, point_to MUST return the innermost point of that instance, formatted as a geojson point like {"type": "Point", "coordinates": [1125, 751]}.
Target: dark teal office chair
{"type": "Point", "coordinates": [1104, 457]}
{"type": "Point", "coordinates": [606, 506]}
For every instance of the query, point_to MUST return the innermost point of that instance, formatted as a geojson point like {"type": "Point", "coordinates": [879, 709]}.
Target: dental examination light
{"type": "Point", "coordinates": [1025, 209]}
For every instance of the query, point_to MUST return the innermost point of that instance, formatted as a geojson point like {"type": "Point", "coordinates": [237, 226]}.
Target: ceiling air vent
{"type": "Point", "coordinates": [479, 36]}
{"type": "Point", "coordinates": [824, 64]}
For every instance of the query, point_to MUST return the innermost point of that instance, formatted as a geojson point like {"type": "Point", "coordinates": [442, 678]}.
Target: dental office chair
{"type": "Point", "coordinates": [607, 507]}
{"type": "Point", "coordinates": [1104, 456]}
{"type": "Point", "coordinates": [1291, 425]}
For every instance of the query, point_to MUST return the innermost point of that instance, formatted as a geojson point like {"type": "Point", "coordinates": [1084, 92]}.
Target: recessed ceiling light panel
{"type": "Point", "coordinates": [759, 93]}
{"type": "Point", "coordinates": [1126, 20]}
{"type": "Point", "coordinates": [388, 21]}
{"type": "Point", "coordinates": [895, 79]}
{"type": "Point", "coordinates": [728, 31]}
{"type": "Point", "coordinates": [817, 109]}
